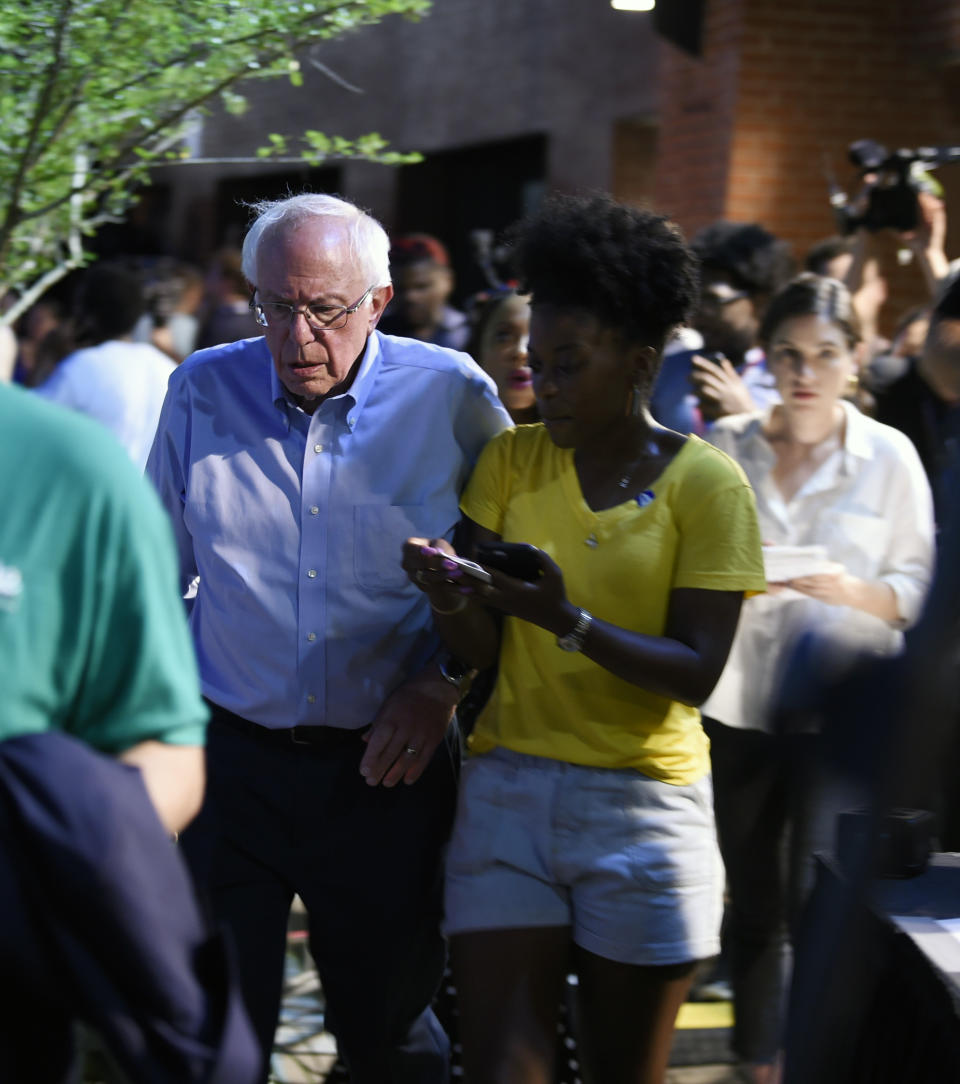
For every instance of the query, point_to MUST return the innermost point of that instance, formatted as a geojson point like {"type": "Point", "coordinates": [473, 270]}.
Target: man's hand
{"type": "Point", "coordinates": [174, 776]}
{"type": "Point", "coordinates": [408, 728]}
{"type": "Point", "coordinates": [720, 387]}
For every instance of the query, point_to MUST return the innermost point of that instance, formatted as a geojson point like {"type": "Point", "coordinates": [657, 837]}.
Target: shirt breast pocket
{"type": "Point", "coordinates": [858, 540]}
{"type": "Point", "coordinates": [379, 531]}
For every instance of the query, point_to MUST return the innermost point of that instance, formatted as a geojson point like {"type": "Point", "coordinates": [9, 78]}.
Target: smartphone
{"type": "Point", "coordinates": [470, 568]}
{"type": "Point", "coordinates": [517, 559]}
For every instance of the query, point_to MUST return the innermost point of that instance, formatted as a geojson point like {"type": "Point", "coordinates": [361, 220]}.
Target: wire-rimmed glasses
{"type": "Point", "coordinates": [319, 315]}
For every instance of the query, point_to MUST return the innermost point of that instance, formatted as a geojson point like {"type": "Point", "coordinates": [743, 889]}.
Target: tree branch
{"type": "Point", "coordinates": [38, 289]}
{"type": "Point", "coordinates": [332, 75]}
{"type": "Point", "coordinates": [11, 216]}
{"type": "Point", "coordinates": [76, 96]}
{"type": "Point", "coordinates": [198, 52]}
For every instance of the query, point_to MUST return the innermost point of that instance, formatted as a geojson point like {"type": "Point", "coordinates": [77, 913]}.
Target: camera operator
{"type": "Point", "coordinates": [898, 193]}
{"type": "Point", "coordinates": [926, 242]}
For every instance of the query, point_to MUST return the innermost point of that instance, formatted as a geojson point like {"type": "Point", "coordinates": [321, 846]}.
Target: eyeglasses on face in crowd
{"type": "Point", "coordinates": [319, 316]}
{"type": "Point", "coordinates": [716, 295]}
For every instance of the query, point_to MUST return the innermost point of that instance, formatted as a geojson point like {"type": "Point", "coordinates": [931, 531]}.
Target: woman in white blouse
{"type": "Point", "coordinates": [824, 476]}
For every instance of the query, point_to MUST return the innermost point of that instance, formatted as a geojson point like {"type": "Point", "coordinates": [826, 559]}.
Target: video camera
{"type": "Point", "coordinates": [888, 199]}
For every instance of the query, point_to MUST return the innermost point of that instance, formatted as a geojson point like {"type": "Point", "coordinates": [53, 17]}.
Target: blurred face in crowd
{"type": "Point", "coordinates": [308, 265]}
{"type": "Point", "coordinates": [422, 290]}
{"type": "Point", "coordinates": [503, 353]}
{"type": "Point", "coordinates": [726, 317]}
{"type": "Point", "coordinates": [940, 361]}
{"type": "Point", "coordinates": [582, 375]}
{"type": "Point", "coordinates": [813, 362]}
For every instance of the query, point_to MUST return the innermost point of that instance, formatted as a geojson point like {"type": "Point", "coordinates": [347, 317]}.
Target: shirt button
{"type": "Point", "coordinates": [312, 573]}
{"type": "Point", "coordinates": [311, 636]}
{"type": "Point", "coordinates": [311, 699]}
{"type": "Point", "coordinates": [314, 510]}
{"type": "Point", "coordinates": [318, 448]}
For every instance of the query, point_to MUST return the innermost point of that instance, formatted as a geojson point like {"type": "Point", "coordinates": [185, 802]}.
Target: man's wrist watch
{"type": "Point", "coordinates": [453, 670]}
{"type": "Point", "coordinates": [573, 640]}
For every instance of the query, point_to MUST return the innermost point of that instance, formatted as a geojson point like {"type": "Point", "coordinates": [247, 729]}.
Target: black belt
{"type": "Point", "coordinates": [319, 737]}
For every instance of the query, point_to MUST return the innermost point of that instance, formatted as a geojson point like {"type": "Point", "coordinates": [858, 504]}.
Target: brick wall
{"type": "Point", "coordinates": [808, 77]}
{"type": "Point", "coordinates": [932, 30]}
{"type": "Point", "coordinates": [697, 106]}
{"type": "Point", "coordinates": [634, 161]}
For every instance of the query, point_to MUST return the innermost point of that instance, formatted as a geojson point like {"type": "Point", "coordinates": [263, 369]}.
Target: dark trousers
{"type": "Point", "coordinates": [282, 818]}
{"type": "Point", "coordinates": [775, 806]}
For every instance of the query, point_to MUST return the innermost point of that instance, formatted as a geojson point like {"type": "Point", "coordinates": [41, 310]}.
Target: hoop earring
{"type": "Point", "coordinates": [853, 386]}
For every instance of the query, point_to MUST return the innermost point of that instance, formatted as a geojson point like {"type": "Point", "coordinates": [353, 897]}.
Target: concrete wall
{"type": "Point", "coordinates": [471, 72]}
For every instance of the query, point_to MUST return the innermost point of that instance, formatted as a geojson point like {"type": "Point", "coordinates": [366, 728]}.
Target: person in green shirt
{"type": "Point", "coordinates": [93, 638]}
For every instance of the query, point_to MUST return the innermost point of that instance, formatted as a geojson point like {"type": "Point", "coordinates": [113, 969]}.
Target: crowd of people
{"type": "Point", "coordinates": [489, 610]}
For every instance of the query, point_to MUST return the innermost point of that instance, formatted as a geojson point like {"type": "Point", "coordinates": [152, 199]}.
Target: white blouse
{"type": "Point", "coordinates": [869, 504]}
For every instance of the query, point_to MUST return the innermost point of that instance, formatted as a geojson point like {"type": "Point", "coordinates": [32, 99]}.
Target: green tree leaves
{"type": "Point", "coordinates": [95, 92]}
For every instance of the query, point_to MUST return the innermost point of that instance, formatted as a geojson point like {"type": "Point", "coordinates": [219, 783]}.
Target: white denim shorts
{"type": "Point", "coordinates": [630, 863]}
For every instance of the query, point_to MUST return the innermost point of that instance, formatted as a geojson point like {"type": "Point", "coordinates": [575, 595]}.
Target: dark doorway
{"type": "Point", "coordinates": [143, 229]}
{"type": "Point", "coordinates": [485, 186]}
{"type": "Point", "coordinates": [234, 194]}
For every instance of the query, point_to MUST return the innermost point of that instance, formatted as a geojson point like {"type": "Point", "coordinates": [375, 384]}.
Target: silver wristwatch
{"type": "Point", "coordinates": [573, 641]}
{"type": "Point", "coordinates": [453, 670]}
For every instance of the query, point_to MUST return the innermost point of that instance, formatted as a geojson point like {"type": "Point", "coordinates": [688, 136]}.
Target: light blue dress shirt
{"type": "Point", "coordinates": [289, 525]}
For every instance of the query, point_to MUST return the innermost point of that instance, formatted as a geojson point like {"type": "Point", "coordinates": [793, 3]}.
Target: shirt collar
{"type": "Point", "coordinates": [754, 435]}
{"type": "Point", "coordinates": [856, 440]}
{"type": "Point", "coordinates": [353, 399]}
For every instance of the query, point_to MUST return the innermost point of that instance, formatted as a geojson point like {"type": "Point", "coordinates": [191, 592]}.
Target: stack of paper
{"type": "Point", "coordinates": [782, 563]}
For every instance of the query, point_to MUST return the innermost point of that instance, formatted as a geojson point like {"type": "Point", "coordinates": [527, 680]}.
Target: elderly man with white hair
{"type": "Point", "coordinates": [293, 467]}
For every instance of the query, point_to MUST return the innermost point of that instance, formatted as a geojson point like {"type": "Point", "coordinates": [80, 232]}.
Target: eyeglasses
{"type": "Point", "coordinates": [718, 295]}
{"type": "Point", "coordinates": [320, 317]}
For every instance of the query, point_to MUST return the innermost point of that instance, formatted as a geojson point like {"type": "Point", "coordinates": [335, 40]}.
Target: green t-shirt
{"type": "Point", "coordinates": [696, 527]}
{"type": "Point", "coordinates": [93, 637]}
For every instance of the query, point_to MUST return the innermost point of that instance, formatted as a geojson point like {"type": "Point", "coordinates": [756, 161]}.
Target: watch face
{"type": "Point", "coordinates": [453, 670]}
{"type": "Point", "coordinates": [573, 640]}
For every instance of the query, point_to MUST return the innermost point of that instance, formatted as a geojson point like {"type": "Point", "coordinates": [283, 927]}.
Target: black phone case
{"type": "Point", "coordinates": [517, 559]}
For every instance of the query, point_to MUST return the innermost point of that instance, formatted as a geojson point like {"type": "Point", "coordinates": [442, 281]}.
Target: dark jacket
{"type": "Point", "coordinates": [98, 923]}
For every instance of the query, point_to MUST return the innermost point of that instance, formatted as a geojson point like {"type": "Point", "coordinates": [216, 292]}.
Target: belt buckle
{"type": "Point", "coordinates": [294, 739]}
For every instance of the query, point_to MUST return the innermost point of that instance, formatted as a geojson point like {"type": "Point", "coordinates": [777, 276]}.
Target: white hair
{"type": "Point", "coordinates": [369, 244]}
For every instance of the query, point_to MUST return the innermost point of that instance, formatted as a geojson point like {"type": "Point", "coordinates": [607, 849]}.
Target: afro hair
{"type": "Point", "coordinates": [749, 255]}
{"type": "Point", "coordinates": [629, 268]}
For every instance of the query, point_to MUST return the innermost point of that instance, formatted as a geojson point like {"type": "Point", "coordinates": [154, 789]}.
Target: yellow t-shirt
{"type": "Point", "coordinates": [695, 527]}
